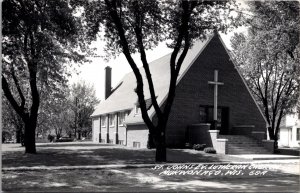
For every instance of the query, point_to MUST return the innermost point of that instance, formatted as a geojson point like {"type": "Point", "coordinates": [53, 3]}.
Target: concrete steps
{"type": "Point", "coordinates": [240, 144]}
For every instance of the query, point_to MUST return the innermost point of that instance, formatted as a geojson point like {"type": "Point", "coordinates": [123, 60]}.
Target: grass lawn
{"type": "Point", "coordinates": [141, 179]}
{"type": "Point", "coordinates": [130, 179]}
{"type": "Point", "coordinates": [78, 154]}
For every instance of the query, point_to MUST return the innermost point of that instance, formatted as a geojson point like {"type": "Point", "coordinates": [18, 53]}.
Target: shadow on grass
{"type": "Point", "coordinates": [72, 144]}
{"type": "Point", "coordinates": [94, 154]}
{"type": "Point", "coordinates": [139, 180]}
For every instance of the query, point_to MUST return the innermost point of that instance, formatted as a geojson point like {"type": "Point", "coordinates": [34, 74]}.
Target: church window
{"type": "Point", "coordinates": [103, 121]}
{"type": "Point", "coordinates": [207, 115]}
{"type": "Point", "coordinates": [121, 118]}
{"type": "Point", "coordinates": [136, 144]}
{"type": "Point", "coordinates": [298, 134]}
{"type": "Point", "coordinates": [203, 115]}
{"type": "Point", "coordinates": [111, 120]}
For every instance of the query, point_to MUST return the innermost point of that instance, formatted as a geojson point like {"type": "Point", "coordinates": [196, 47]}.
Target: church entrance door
{"type": "Point", "coordinates": [207, 116]}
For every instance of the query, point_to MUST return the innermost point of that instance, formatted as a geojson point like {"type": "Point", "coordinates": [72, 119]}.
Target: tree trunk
{"type": "Point", "coordinates": [277, 129]}
{"type": "Point", "coordinates": [150, 143]}
{"type": "Point", "coordinates": [29, 139]}
{"type": "Point", "coordinates": [161, 150]}
{"type": "Point", "coordinates": [271, 133]}
{"type": "Point", "coordinates": [79, 135]}
{"type": "Point", "coordinates": [18, 135]}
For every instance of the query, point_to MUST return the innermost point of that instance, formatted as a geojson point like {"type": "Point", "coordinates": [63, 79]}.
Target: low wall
{"type": "Point", "coordinates": [269, 145]}
{"type": "Point", "coordinates": [198, 134]}
{"type": "Point", "coordinates": [242, 130]}
{"type": "Point", "coordinates": [258, 135]}
{"type": "Point", "coordinates": [220, 145]}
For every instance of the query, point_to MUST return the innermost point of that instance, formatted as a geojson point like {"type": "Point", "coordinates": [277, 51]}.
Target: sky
{"type": "Point", "coordinates": [93, 72]}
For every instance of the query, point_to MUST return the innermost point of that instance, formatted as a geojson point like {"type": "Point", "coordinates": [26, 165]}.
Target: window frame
{"type": "Point", "coordinates": [103, 122]}
{"type": "Point", "coordinates": [119, 118]}
{"type": "Point", "coordinates": [297, 134]}
{"type": "Point", "coordinates": [111, 124]}
{"type": "Point", "coordinates": [136, 144]}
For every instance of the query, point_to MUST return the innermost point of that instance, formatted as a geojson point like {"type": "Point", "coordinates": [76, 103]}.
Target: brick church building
{"type": "Point", "coordinates": [209, 89]}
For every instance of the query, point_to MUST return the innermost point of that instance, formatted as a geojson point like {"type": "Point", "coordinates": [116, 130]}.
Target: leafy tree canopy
{"type": "Point", "coordinates": [269, 58]}
{"type": "Point", "coordinates": [39, 38]}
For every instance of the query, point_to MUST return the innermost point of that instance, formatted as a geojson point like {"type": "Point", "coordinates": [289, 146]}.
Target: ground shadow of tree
{"type": "Point", "coordinates": [90, 154]}
{"type": "Point", "coordinates": [140, 180]}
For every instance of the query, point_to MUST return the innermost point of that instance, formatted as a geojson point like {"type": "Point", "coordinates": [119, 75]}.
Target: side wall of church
{"type": "Point", "coordinates": [193, 90]}
{"type": "Point", "coordinates": [138, 135]}
{"type": "Point", "coordinates": [112, 134]}
{"type": "Point", "coordinates": [96, 129]}
{"type": "Point", "coordinates": [104, 131]}
{"type": "Point", "coordinates": [122, 134]}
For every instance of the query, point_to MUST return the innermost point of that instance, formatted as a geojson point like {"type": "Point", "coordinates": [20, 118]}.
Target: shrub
{"type": "Point", "coordinates": [50, 138]}
{"type": "Point", "coordinates": [64, 140]}
{"type": "Point", "coordinates": [210, 150]}
{"type": "Point", "coordinates": [188, 145]}
{"type": "Point", "coordinates": [199, 147]}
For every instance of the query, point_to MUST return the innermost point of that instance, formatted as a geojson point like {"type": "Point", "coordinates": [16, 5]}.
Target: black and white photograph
{"type": "Point", "coordinates": [150, 96]}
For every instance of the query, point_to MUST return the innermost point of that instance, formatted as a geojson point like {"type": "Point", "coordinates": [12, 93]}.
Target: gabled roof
{"type": "Point", "coordinates": [125, 98]}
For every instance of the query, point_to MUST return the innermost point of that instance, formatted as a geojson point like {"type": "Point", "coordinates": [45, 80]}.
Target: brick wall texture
{"type": "Point", "coordinates": [193, 90]}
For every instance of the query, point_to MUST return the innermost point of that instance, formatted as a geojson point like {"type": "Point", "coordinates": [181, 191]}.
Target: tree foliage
{"type": "Point", "coordinates": [269, 58]}
{"type": "Point", "coordinates": [55, 113]}
{"type": "Point", "coordinates": [136, 26]}
{"type": "Point", "coordinates": [40, 37]}
{"type": "Point", "coordinates": [11, 121]}
{"type": "Point", "coordinates": [82, 102]}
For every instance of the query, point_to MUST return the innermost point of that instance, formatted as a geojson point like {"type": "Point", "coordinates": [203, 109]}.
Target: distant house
{"type": "Point", "coordinates": [118, 119]}
{"type": "Point", "coordinates": [289, 135]}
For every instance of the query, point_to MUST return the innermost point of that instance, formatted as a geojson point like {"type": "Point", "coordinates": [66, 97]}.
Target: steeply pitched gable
{"type": "Point", "coordinates": [124, 97]}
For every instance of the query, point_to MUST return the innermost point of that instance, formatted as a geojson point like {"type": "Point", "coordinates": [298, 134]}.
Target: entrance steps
{"type": "Point", "coordinates": [241, 144]}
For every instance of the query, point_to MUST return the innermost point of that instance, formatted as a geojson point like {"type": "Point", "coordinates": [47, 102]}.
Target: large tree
{"type": "Point", "coordinates": [268, 56]}
{"type": "Point", "coordinates": [39, 38]}
{"type": "Point", "coordinates": [55, 112]}
{"type": "Point", "coordinates": [82, 102]}
{"type": "Point", "coordinates": [132, 26]}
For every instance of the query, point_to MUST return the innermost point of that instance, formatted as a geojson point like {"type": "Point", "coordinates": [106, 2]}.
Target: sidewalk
{"type": "Point", "coordinates": [266, 157]}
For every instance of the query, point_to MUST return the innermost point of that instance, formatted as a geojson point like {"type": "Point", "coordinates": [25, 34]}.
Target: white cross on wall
{"type": "Point", "coordinates": [216, 84]}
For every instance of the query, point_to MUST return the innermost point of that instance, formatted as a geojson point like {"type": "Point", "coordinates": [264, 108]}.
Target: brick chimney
{"type": "Point", "coordinates": [107, 81]}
